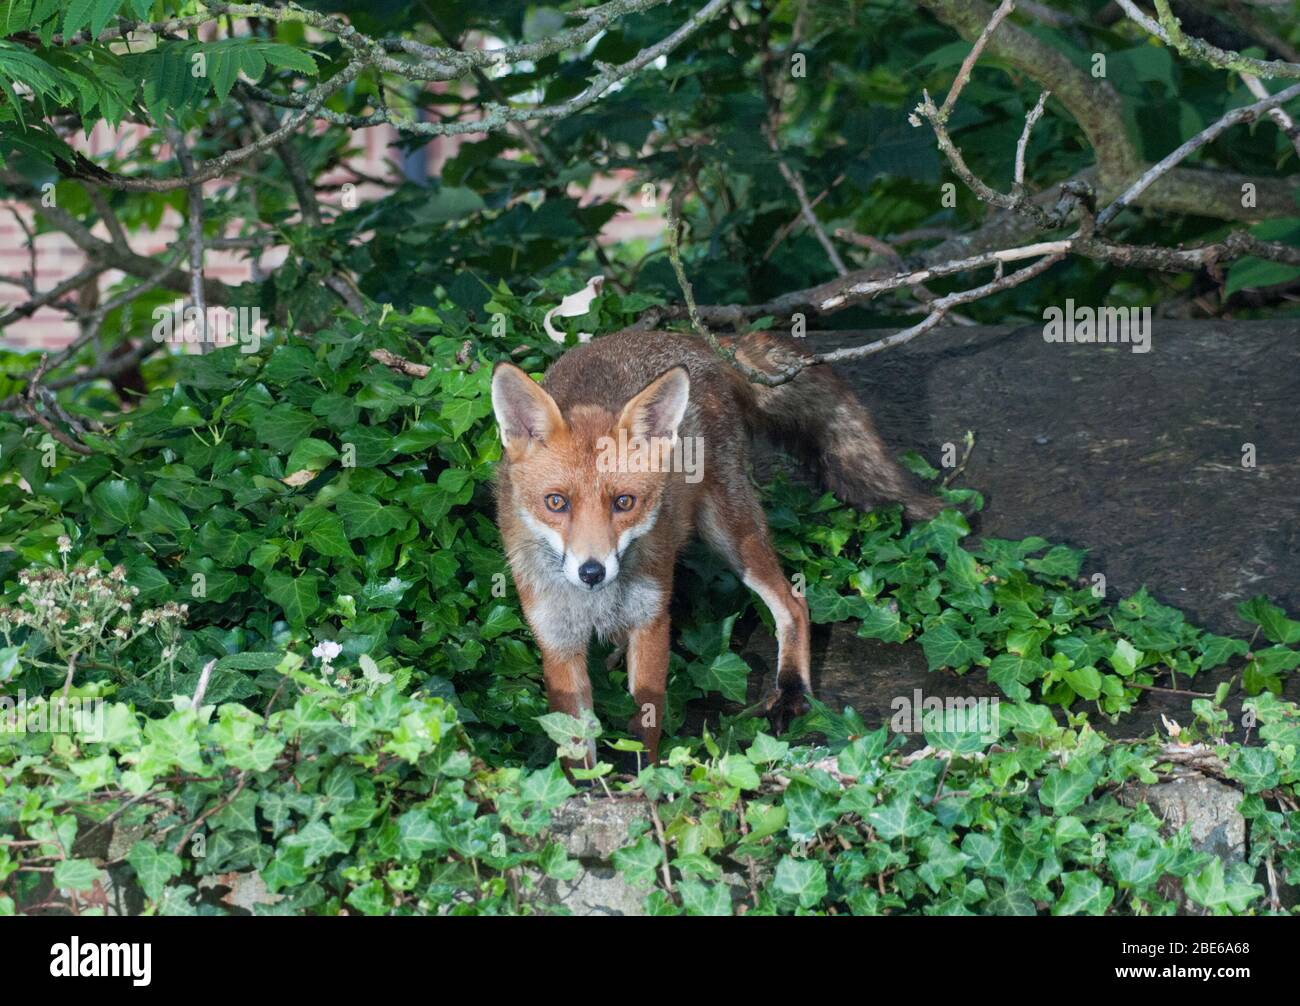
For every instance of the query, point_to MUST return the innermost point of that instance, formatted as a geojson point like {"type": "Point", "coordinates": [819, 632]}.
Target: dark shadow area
{"type": "Point", "coordinates": [1135, 457]}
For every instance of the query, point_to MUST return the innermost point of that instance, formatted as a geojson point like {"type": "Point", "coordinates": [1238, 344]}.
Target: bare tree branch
{"type": "Point", "coordinates": [28, 401]}
{"type": "Point", "coordinates": [795, 182]}
{"type": "Point", "coordinates": [1035, 113]}
{"type": "Point", "coordinates": [50, 296]}
{"type": "Point", "coordinates": [1169, 30]}
{"type": "Point", "coordinates": [939, 310]}
{"type": "Point", "coordinates": [430, 64]}
{"type": "Point", "coordinates": [1099, 112]}
{"type": "Point", "coordinates": [1247, 113]}
{"type": "Point", "coordinates": [858, 287]}
{"type": "Point", "coordinates": [1283, 120]}
{"type": "Point", "coordinates": [968, 64]}
{"type": "Point", "coordinates": [195, 223]}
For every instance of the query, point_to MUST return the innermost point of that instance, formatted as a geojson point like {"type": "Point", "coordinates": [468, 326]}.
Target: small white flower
{"type": "Point", "coordinates": [65, 544]}
{"type": "Point", "coordinates": [326, 650]}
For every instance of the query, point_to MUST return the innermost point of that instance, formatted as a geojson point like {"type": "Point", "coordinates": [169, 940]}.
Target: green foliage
{"type": "Point", "coordinates": [391, 777]}
{"type": "Point", "coordinates": [373, 737]}
{"type": "Point", "coordinates": [110, 82]}
{"type": "Point", "coordinates": [1027, 822]}
{"type": "Point", "coordinates": [308, 493]}
{"type": "Point", "coordinates": [366, 803]}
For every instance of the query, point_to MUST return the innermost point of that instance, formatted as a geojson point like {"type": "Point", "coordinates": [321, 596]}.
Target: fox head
{"type": "Point", "coordinates": [575, 490]}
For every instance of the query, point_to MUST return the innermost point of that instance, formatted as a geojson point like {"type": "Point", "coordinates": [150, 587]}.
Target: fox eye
{"type": "Point", "coordinates": [556, 503]}
{"type": "Point", "coordinates": [624, 503]}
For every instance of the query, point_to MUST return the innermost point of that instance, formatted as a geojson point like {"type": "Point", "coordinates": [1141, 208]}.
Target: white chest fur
{"type": "Point", "coordinates": [564, 617]}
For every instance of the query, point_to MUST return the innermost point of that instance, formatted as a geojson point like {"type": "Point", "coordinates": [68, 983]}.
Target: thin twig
{"type": "Point", "coordinates": [663, 843]}
{"type": "Point", "coordinates": [202, 687]}
{"type": "Point", "coordinates": [1246, 113]}
{"type": "Point", "coordinates": [28, 400]}
{"type": "Point", "coordinates": [726, 352]}
{"type": "Point", "coordinates": [793, 179]}
{"type": "Point", "coordinates": [1035, 113]}
{"type": "Point", "coordinates": [968, 64]}
{"type": "Point", "coordinates": [1283, 120]}
{"type": "Point", "coordinates": [939, 309]}
{"type": "Point", "coordinates": [400, 364]}
{"type": "Point", "coordinates": [794, 221]}
{"type": "Point", "coordinates": [953, 475]}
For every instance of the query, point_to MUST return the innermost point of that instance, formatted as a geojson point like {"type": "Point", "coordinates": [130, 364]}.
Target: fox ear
{"type": "Point", "coordinates": [657, 409]}
{"type": "Point", "coordinates": [525, 413]}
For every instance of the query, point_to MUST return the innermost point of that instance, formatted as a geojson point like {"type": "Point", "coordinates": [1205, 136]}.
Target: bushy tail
{"type": "Point", "coordinates": [818, 416]}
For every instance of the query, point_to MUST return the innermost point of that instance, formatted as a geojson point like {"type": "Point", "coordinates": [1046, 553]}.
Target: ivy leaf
{"type": "Point", "coordinates": [153, 867]}
{"type": "Point", "coordinates": [316, 842]}
{"type": "Point", "coordinates": [1125, 657]}
{"type": "Point", "coordinates": [75, 874]}
{"type": "Point", "coordinates": [882, 621]}
{"type": "Point", "coordinates": [323, 530]}
{"type": "Point", "coordinates": [310, 454]}
{"type": "Point", "coordinates": [639, 863]}
{"type": "Point", "coordinates": [500, 619]}
{"type": "Point", "coordinates": [1083, 893]}
{"type": "Point", "coordinates": [1213, 889]}
{"type": "Point", "coordinates": [766, 750]}
{"type": "Point", "coordinates": [802, 879]}
{"type": "Point", "coordinates": [809, 810]}
{"type": "Point", "coordinates": [116, 503]}
{"type": "Point", "coordinates": [1218, 650]}
{"type": "Point", "coordinates": [1064, 789]}
{"type": "Point", "coordinates": [418, 833]}
{"type": "Point", "coordinates": [726, 673]}
{"type": "Point", "coordinates": [1060, 562]}
{"type": "Point", "coordinates": [1012, 673]}
{"type": "Point", "coordinates": [1134, 868]}
{"type": "Point", "coordinates": [941, 861]}
{"type": "Point", "coordinates": [1266, 666]}
{"type": "Point", "coordinates": [547, 787]}
{"type": "Point", "coordinates": [366, 517]}
{"type": "Point", "coordinates": [1271, 619]}
{"type": "Point", "coordinates": [699, 898]}
{"type": "Point", "coordinates": [863, 754]}
{"type": "Point", "coordinates": [1255, 768]}
{"type": "Point", "coordinates": [283, 426]}
{"type": "Point", "coordinates": [944, 646]}
{"type": "Point", "coordinates": [900, 817]}
{"type": "Point", "coordinates": [298, 596]}
{"type": "Point", "coordinates": [738, 771]}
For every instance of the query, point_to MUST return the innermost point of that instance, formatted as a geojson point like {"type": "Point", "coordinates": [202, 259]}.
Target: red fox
{"type": "Point", "coordinates": [636, 442]}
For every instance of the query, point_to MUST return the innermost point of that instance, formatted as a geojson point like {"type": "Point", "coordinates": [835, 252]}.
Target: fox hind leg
{"type": "Point", "coordinates": [737, 530]}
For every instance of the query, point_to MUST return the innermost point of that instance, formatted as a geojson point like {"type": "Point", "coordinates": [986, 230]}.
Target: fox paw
{"type": "Point", "coordinates": [785, 705]}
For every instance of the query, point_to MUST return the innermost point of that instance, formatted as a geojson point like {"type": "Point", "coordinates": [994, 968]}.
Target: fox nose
{"type": "Point", "coordinates": [591, 572]}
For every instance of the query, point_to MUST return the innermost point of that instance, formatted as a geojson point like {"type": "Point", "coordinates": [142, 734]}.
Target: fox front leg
{"type": "Point", "coordinates": [647, 679]}
{"type": "Point", "coordinates": [568, 690]}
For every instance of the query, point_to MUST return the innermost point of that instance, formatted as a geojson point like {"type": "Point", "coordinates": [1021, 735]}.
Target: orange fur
{"type": "Point", "coordinates": [593, 535]}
